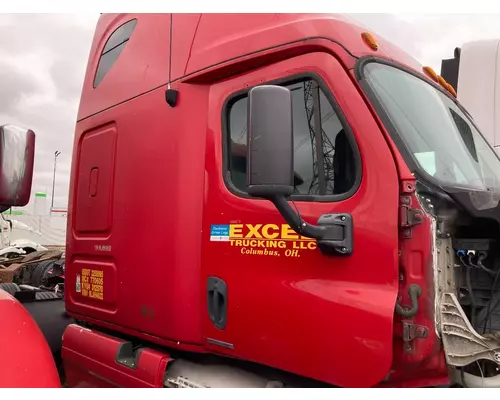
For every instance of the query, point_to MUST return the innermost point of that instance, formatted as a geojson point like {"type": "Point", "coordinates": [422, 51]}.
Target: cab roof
{"type": "Point", "coordinates": [203, 41]}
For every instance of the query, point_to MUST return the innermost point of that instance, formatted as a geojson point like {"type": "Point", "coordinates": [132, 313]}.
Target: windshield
{"type": "Point", "coordinates": [439, 135]}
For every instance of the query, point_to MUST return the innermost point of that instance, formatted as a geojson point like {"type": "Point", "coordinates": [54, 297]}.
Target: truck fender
{"type": "Point", "coordinates": [21, 246]}
{"type": "Point", "coordinates": [28, 244]}
{"type": "Point", "coordinates": [11, 249]}
{"type": "Point", "coordinates": [27, 361]}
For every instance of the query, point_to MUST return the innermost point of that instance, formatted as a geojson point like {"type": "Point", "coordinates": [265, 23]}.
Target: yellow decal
{"type": "Point", "coordinates": [262, 239]}
{"type": "Point", "coordinates": [93, 283]}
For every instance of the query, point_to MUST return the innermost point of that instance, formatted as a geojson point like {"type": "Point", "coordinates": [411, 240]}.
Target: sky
{"type": "Point", "coordinates": [43, 59]}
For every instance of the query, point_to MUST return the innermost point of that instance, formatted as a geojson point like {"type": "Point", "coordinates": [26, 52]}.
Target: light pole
{"type": "Point", "coordinates": [56, 154]}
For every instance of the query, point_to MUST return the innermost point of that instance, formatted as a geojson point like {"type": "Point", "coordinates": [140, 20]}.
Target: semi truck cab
{"type": "Point", "coordinates": [308, 206]}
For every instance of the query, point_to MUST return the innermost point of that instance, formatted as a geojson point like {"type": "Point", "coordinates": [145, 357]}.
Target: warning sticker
{"type": "Point", "coordinates": [219, 233]}
{"type": "Point", "coordinates": [78, 284]}
{"type": "Point", "coordinates": [92, 283]}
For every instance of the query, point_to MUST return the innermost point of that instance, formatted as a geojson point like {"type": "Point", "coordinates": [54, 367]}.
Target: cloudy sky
{"type": "Point", "coordinates": [43, 59]}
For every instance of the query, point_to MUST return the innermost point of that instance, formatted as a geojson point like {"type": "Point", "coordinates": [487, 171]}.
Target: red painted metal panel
{"type": "Point", "coordinates": [26, 357]}
{"type": "Point", "coordinates": [90, 361]}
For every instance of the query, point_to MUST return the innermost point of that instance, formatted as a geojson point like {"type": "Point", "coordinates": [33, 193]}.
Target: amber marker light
{"type": "Point", "coordinates": [451, 90]}
{"type": "Point", "coordinates": [442, 82]}
{"type": "Point", "coordinates": [369, 40]}
{"type": "Point", "coordinates": [431, 73]}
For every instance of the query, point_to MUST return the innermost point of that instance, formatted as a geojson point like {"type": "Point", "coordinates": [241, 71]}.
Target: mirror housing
{"type": "Point", "coordinates": [17, 155]}
{"type": "Point", "coordinates": [270, 170]}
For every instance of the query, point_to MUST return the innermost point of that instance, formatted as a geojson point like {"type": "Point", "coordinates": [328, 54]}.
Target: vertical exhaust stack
{"type": "Point", "coordinates": [450, 68]}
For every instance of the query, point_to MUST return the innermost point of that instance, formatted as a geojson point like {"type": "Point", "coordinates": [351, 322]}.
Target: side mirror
{"type": "Point", "coordinates": [270, 168]}
{"type": "Point", "coordinates": [17, 155]}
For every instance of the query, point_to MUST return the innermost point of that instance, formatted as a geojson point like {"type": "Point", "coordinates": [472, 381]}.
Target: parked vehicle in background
{"type": "Point", "coordinates": [26, 356]}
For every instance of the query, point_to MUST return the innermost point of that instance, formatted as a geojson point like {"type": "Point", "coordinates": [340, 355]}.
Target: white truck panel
{"type": "Point", "coordinates": [479, 86]}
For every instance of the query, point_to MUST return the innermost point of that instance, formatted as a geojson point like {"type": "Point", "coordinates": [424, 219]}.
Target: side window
{"type": "Point", "coordinates": [323, 156]}
{"type": "Point", "coordinates": [113, 48]}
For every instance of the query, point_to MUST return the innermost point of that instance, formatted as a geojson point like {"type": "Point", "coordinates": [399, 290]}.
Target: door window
{"type": "Point", "coordinates": [324, 159]}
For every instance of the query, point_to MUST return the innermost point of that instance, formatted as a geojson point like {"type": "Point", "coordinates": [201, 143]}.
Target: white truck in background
{"type": "Point", "coordinates": [474, 73]}
{"type": "Point", "coordinates": [18, 238]}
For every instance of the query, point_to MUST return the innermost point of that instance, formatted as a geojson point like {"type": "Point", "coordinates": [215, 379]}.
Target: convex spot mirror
{"type": "Point", "coordinates": [17, 154]}
{"type": "Point", "coordinates": [270, 171]}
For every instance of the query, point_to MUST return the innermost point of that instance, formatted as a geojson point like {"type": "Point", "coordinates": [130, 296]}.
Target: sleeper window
{"type": "Point", "coordinates": [113, 48]}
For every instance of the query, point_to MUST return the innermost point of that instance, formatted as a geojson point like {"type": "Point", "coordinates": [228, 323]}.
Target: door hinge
{"type": "Point", "coordinates": [412, 332]}
{"type": "Point", "coordinates": [408, 216]}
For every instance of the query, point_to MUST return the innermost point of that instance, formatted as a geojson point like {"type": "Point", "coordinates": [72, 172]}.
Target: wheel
{"type": "Point", "coordinates": [10, 288]}
{"type": "Point", "coordinates": [42, 271]}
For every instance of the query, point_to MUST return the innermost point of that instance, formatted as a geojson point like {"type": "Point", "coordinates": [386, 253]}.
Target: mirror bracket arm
{"type": "Point", "coordinates": [333, 232]}
{"type": "Point", "coordinates": [296, 223]}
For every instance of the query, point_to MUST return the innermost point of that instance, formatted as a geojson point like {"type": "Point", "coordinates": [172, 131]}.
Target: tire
{"type": "Point", "coordinates": [40, 272]}
{"type": "Point", "coordinates": [10, 288]}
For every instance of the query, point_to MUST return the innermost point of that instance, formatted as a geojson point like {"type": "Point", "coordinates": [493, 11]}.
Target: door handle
{"type": "Point", "coordinates": [217, 301]}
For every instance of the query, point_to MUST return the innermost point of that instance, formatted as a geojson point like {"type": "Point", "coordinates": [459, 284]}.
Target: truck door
{"type": "Point", "coordinates": [271, 296]}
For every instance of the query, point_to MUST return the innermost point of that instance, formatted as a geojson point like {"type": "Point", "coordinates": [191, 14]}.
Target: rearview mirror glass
{"type": "Point", "coordinates": [17, 154]}
{"type": "Point", "coordinates": [270, 170]}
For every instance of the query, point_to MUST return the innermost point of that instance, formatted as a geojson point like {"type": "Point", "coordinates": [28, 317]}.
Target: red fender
{"type": "Point", "coordinates": [27, 361]}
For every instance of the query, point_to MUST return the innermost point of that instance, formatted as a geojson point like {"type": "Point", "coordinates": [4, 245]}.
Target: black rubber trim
{"type": "Point", "coordinates": [289, 80]}
{"type": "Point", "coordinates": [307, 39]}
{"type": "Point", "coordinates": [220, 343]}
{"type": "Point", "coordinates": [408, 157]}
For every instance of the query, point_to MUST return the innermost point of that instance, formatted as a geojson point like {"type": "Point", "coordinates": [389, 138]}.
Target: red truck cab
{"type": "Point", "coordinates": [291, 228]}
{"type": "Point", "coordinates": [26, 357]}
